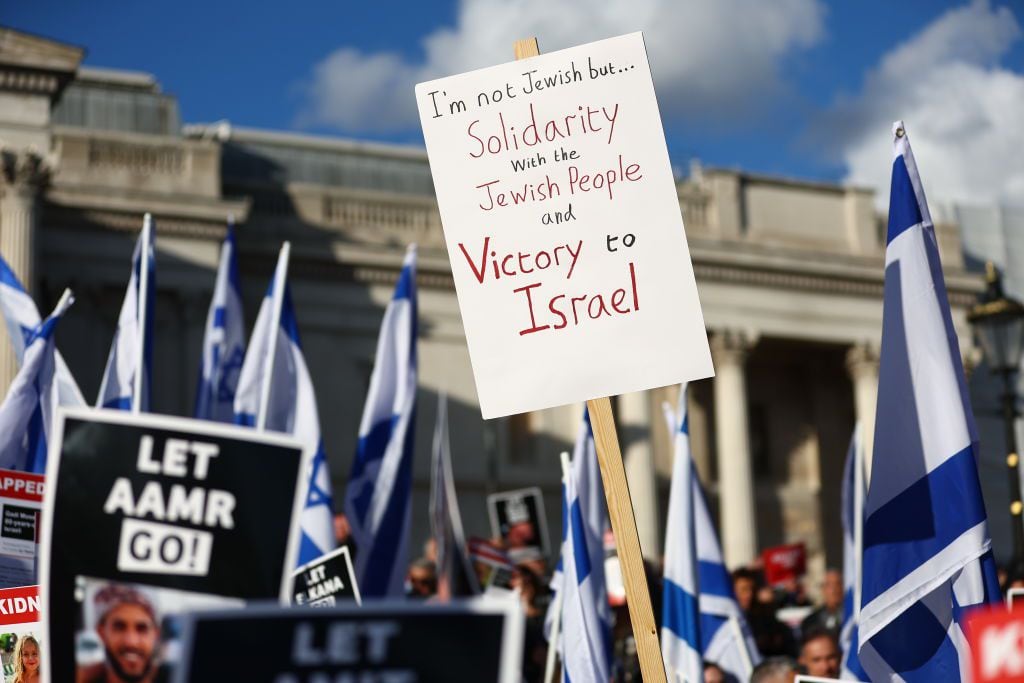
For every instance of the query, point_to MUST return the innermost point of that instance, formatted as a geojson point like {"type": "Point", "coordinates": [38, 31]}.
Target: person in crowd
{"type": "Point", "coordinates": [713, 673]}
{"type": "Point", "coordinates": [775, 670]}
{"type": "Point", "coordinates": [772, 636]}
{"type": "Point", "coordinates": [129, 629]}
{"type": "Point", "coordinates": [829, 616]}
{"type": "Point", "coordinates": [26, 660]}
{"type": "Point", "coordinates": [533, 595]}
{"type": "Point", "coordinates": [421, 580]}
{"type": "Point", "coordinates": [343, 534]}
{"type": "Point", "coordinates": [792, 593]}
{"type": "Point", "coordinates": [819, 655]}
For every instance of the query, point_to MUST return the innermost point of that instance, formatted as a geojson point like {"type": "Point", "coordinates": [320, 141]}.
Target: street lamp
{"type": "Point", "coordinates": [999, 323]}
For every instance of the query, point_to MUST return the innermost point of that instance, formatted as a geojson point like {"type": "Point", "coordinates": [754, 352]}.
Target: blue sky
{"type": "Point", "coordinates": [792, 87]}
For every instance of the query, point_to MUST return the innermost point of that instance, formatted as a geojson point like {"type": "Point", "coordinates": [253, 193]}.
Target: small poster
{"type": "Point", "coordinates": [409, 642]}
{"type": "Point", "coordinates": [518, 518]}
{"type": "Point", "coordinates": [783, 563]}
{"type": "Point", "coordinates": [562, 222]}
{"type": "Point", "coordinates": [147, 517]}
{"type": "Point", "coordinates": [326, 580]}
{"type": "Point", "coordinates": [21, 636]}
{"type": "Point", "coordinates": [21, 499]}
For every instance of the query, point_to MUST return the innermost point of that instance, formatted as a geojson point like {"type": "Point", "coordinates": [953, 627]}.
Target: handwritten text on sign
{"type": "Point", "coordinates": [563, 228]}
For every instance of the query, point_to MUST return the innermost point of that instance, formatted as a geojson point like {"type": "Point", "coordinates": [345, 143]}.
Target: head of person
{"type": "Point", "coordinates": [832, 590]}
{"type": "Point", "coordinates": [521, 535]}
{"type": "Point", "coordinates": [342, 529]}
{"type": "Point", "coordinates": [774, 670]}
{"type": "Point", "coordinates": [713, 673]}
{"type": "Point", "coordinates": [26, 658]}
{"type": "Point", "coordinates": [129, 629]}
{"type": "Point", "coordinates": [819, 654]}
{"type": "Point", "coordinates": [744, 583]}
{"type": "Point", "coordinates": [422, 578]}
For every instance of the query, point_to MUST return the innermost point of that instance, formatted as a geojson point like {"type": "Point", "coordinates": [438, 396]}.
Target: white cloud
{"type": "Point", "coordinates": [712, 59]}
{"type": "Point", "coordinates": [963, 111]}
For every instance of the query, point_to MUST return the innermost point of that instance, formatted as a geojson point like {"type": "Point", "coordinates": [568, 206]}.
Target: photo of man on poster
{"type": "Point", "coordinates": [128, 627]}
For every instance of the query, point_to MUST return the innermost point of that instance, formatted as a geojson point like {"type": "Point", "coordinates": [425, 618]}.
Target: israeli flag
{"type": "Point", "coordinates": [852, 515]}
{"type": "Point", "coordinates": [680, 617]}
{"type": "Point", "coordinates": [26, 415]}
{"type": "Point", "coordinates": [590, 491]}
{"type": "Point", "coordinates": [22, 318]}
{"type": "Point", "coordinates": [224, 340]}
{"type": "Point", "coordinates": [927, 551]}
{"type": "Point", "coordinates": [725, 637]}
{"type": "Point", "coordinates": [380, 486]}
{"type": "Point", "coordinates": [584, 632]}
{"type": "Point", "coordinates": [275, 393]}
{"type": "Point", "coordinates": [126, 379]}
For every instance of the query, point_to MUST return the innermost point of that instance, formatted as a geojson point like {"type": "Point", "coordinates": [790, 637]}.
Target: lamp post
{"type": "Point", "coordinates": [998, 321]}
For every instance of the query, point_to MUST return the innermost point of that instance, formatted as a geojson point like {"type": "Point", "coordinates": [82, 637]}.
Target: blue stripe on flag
{"type": "Point", "coordinates": [904, 211]}
{"type": "Point", "coordinates": [371, 448]}
{"type": "Point", "coordinates": [119, 403]}
{"type": "Point", "coordinates": [579, 546]}
{"type": "Point", "coordinates": [405, 288]}
{"type": "Point", "coordinates": [917, 647]}
{"type": "Point", "coordinates": [7, 277]}
{"type": "Point", "coordinates": [385, 549]}
{"type": "Point", "coordinates": [709, 625]}
{"type": "Point", "coordinates": [921, 522]}
{"type": "Point", "coordinates": [677, 614]}
{"type": "Point", "coordinates": [36, 442]}
{"type": "Point", "coordinates": [714, 579]}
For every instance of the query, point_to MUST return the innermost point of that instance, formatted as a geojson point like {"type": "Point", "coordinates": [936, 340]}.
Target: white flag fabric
{"type": "Point", "coordinates": [455, 574]}
{"type": "Point", "coordinates": [26, 415]}
{"type": "Point", "coordinates": [286, 388]}
{"type": "Point", "coordinates": [379, 493]}
{"type": "Point", "coordinates": [126, 379]}
{"type": "Point", "coordinates": [726, 639]}
{"type": "Point", "coordinates": [585, 645]}
{"type": "Point", "coordinates": [223, 341]}
{"type": "Point", "coordinates": [927, 556]}
{"type": "Point", "coordinates": [22, 317]}
{"type": "Point", "coordinates": [852, 515]}
{"type": "Point", "coordinates": [681, 643]}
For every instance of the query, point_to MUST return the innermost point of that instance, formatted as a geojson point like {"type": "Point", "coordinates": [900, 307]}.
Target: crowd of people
{"type": "Point", "coordinates": [810, 646]}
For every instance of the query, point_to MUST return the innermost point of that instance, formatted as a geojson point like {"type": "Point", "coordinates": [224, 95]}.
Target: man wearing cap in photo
{"type": "Point", "coordinates": [129, 628]}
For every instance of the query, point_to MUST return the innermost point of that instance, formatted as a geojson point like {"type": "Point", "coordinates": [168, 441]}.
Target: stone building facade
{"type": "Point", "coordinates": [790, 276]}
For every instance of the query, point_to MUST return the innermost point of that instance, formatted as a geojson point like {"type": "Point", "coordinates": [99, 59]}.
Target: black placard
{"type": "Point", "coordinates": [325, 581]}
{"type": "Point", "coordinates": [459, 642]}
{"type": "Point", "coordinates": [153, 515]}
{"type": "Point", "coordinates": [518, 518]}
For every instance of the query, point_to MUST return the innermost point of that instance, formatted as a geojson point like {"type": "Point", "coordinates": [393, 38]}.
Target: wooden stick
{"type": "Point", "coordinates": [620, 509]}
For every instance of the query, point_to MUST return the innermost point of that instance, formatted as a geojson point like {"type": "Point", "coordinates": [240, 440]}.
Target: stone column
{"type": "Point", "coordinates": [862, 364]}
{"type": "Point", "coordinates": [22, 174]}
{"type": "Point", "coordinates": [732, 434]}
{"type": "Point", "coordinates": [638, 459]}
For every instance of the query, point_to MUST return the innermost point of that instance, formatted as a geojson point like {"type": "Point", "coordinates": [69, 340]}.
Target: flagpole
{"type": "Point", "coordinates": [858, 518]}
{"type": "Point", "coordinates": [280, 280]}
{"type": "Point", "coordinates": [556, 623]}
{"type": "Point", "coordinates": [734, 624]}
{"type": "Point", "coordinates": [142, 305]}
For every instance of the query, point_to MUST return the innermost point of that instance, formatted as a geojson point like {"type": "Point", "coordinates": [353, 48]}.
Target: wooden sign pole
{"type": "Point", "coordinates": [620, 510]}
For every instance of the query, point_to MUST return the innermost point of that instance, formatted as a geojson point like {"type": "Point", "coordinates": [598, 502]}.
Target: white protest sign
{"type": "Point", "coordinates": [563, 227]}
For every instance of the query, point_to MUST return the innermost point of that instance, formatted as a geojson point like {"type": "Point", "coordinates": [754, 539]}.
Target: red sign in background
{"type": "Point", "coordinates": [19, 605]}
{"type": "Point", "coordinates": [783, 563]}
{"type": "Point", "coordinates": [996, 636]}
